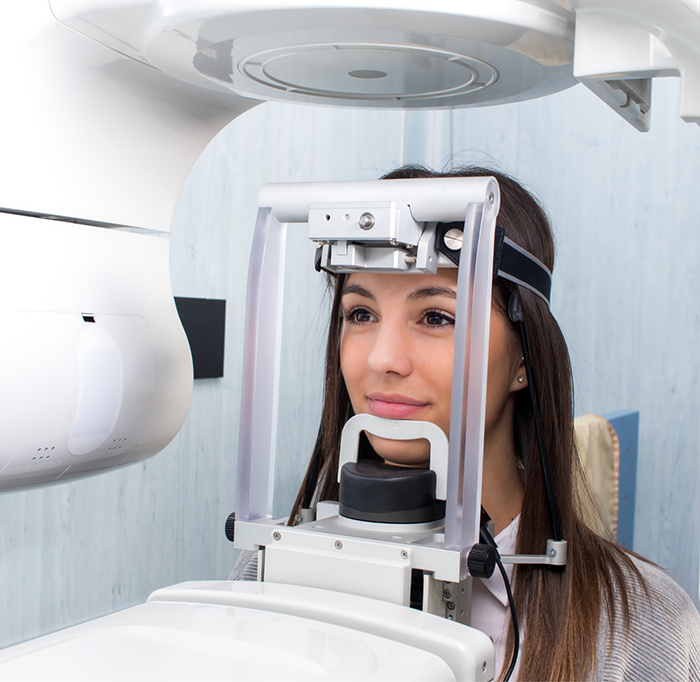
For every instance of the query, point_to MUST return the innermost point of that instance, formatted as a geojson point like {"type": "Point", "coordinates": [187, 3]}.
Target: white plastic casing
{"type": "Point", "coordinates": [632, 39]}
{"type": "Point", "coordinates": [406, 53]}
{"type": "Point", "coordinates": [256, 631]}
{"type": "Point", "coordinates": [96, 369]}
{"type": "Point", "coordinates": [356, 53]}
{"type": "Point", "coordinates": [96, 138]}
{"type": "Point", "coordinates": [91, 134]}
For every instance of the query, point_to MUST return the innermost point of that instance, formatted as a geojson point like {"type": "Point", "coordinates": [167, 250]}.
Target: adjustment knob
{"type": "Point", "coordinates": [481, 561]}
{"type": "Point", "coordinates": [230, 526]}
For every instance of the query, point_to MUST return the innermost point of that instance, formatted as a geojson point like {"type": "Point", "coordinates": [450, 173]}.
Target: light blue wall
{"type": "Point", "coordinates": [625, 208]}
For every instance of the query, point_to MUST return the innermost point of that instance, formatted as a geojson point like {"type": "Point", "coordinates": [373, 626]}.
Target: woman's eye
{"type": "Point", "coordinates": [436, 319]}
{"type": "Point", "coordinates": [359, 316]}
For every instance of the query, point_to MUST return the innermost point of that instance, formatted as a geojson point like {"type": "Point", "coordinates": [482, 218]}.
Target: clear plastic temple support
{"type": "Point", "coordinates": [261, 370]}
{"type": "Point", "coordinates": [469, 373]}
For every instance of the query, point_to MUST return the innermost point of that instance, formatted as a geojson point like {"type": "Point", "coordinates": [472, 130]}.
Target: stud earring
{"type": "Point", "coordinates": [521, 379]}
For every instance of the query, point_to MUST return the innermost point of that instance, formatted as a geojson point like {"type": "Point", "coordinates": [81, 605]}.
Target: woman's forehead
{"type": "Point", "coordinates": [442, 283]}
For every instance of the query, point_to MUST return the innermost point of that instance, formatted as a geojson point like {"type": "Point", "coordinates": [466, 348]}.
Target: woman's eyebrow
{"type": "Point", "coordinates": [427, 292]}
{"type": "Point", "coordinates": [357, 289]}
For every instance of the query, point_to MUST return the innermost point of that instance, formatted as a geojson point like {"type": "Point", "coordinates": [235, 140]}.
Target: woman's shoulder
{"type": "Point", "coordinates": [246, 567]}
{"type": "Point", "coordinates": [662, 641]}
{"type": "Point", "coordinates": [665, 596]}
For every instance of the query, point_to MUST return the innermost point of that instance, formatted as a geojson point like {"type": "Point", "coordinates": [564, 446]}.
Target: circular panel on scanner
{"type": "Point", "coordinates": [367, 53]}
{"type": "Point", "coordinates": [377, 73]}
{"type": "Point", "coordinates": [179, 641]}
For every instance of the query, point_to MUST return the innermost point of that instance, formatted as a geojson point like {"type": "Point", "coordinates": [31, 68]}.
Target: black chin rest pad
{"type": "Point", "coordinates": [374, 491]}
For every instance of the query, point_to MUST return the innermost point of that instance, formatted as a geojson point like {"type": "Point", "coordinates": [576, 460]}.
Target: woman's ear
{"type": "Point", "coordinates": [520, 379]}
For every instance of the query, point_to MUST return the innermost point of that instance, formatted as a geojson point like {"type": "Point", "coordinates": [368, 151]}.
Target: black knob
{"type": "Point", "coordinates": [481, 561]}
{"type": "Point", "coordinates": [230, 526]}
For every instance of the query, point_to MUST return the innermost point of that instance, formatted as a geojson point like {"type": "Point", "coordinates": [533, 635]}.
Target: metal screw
{"type": "Point", "coordinates": [277, 535]}
{"type": "Point", "coordinates": [491, 198]}
{"type": "Point", "coordinates": [552, 552]}
{"type": "Point", "coordinates": [453, 239]}
{"type": "Point", "coordinates": [447, 594]}
{"type": "Point", "coordinates": [483, 667]}
{"type": "Point", "coordinates": [338, 544]}
{"type": "Point", "coordinates": [450, 606]}
{"type": "Point", "coordinates": [366, 221]}
{"type": "Point", "coordinates": [450, 616]}
{"type": "Point", "coordinates": [404, 554]}
{"type": "Point", "coordinates": [394, 242]}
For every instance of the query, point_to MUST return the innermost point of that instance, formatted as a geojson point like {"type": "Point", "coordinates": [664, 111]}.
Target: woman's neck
{"type": "Point", "coordinates": [502, 490]}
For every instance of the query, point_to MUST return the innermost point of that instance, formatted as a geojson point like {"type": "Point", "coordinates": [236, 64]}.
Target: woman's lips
{"type": "Point", "coordinates": [393, 406]}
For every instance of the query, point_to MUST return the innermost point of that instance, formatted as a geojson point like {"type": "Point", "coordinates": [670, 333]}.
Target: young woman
{"type": "Point", "coordinates": [607, 614]}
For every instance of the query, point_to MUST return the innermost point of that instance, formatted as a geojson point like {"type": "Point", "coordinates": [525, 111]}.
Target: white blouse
{"type": "Point", "coordinates": [490, 610]}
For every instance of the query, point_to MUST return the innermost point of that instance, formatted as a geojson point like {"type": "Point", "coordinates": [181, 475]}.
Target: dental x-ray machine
{"type": "Point", "coordinates": [107, 103]}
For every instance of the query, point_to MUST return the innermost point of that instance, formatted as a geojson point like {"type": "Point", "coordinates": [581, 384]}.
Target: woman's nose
{"type": "Point", "coordinates": [390, 353]}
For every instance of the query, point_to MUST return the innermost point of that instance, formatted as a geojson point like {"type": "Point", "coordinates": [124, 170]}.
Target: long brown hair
{"type": "Point", "coordinates": [560, 607]}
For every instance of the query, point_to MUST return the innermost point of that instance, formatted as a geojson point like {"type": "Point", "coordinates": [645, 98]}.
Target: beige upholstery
{"type": "Point", "coordinates": [599, 450]}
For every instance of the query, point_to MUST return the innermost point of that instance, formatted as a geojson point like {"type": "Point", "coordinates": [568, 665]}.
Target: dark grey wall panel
{"type": "Point", "coordinates": [204, 320]}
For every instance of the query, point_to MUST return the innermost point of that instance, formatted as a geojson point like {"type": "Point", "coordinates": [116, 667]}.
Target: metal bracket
{"type": "Point", "coordinates": [452, 601]}
{"type": "Point", "coordinates": [379, 236]}
{"type": "Point", "coordinates": [555, 555]}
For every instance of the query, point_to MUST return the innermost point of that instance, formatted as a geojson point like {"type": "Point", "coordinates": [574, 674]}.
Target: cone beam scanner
{"type": "Point", "coordinates": [404, 53]}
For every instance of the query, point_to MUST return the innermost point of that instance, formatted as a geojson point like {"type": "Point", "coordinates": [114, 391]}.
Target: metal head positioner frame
{"type": "Point", "coordinates": [400, 210]}
{"type": "Point", "coordinates": [379, 226]}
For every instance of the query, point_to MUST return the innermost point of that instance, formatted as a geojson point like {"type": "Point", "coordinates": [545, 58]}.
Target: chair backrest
{"type": "Point", "coordinates": [608, 450]}
{"type": "Point", "coordinates": [599, 450]}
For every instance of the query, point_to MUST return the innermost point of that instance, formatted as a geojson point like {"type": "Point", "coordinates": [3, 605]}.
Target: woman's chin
{"type": "Point", "coordinates": [404, 453]}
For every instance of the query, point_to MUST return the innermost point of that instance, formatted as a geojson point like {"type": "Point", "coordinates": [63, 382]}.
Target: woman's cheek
{"type": "Point", "coordinates": [353, 368]}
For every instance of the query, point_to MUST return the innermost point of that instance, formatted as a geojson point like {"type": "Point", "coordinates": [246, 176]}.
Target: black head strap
{"type": "Point", "coordinates": [510, 261]}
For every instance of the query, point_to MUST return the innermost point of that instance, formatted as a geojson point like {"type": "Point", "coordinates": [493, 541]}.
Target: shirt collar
{"type": "Point", "coordinates": [506, 545]}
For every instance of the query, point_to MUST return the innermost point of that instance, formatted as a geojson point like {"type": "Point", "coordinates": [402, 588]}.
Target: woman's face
{"type": "Point", "coordinates": [396, 357]}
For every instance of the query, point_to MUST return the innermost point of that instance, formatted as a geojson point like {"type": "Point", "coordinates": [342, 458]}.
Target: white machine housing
{"type": "Point", "coordinates": [256, 631]}
{"type": "Point", "coordinates": [96, 368]}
